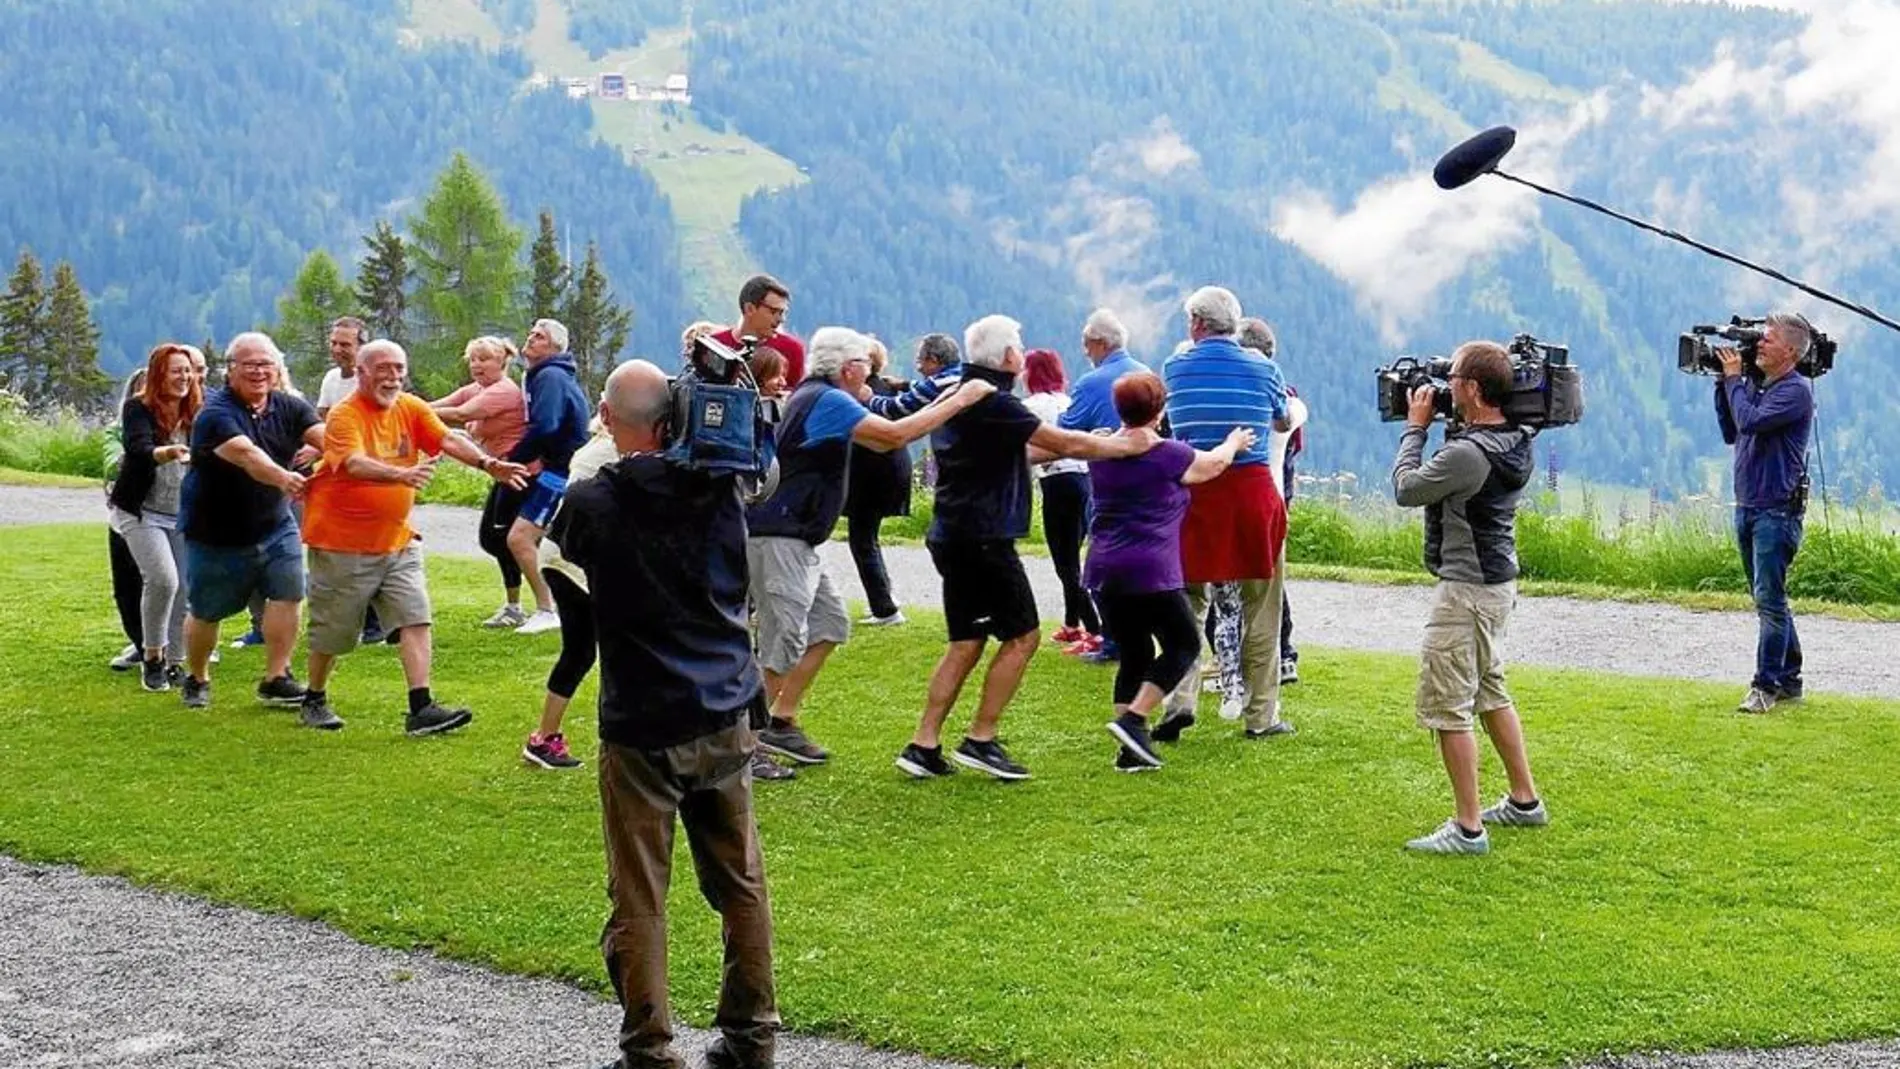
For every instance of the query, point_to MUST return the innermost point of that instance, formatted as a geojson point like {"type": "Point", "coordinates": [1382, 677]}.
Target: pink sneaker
{"type": "Point", "coordinates": [548, 751]}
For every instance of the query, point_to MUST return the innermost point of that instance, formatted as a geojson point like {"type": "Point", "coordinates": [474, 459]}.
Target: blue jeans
{"type": "Point", "coordinates": [1769, 539]}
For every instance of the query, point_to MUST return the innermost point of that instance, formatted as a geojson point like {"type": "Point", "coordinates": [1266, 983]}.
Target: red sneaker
{"type": "Point", "coordinates": [1066, 635]}
{"type": "Point", "coordinates": [1087, 644]}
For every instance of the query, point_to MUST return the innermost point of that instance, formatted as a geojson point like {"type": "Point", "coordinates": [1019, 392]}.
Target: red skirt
{"type": "Point", "coordinates": [1235, 527]}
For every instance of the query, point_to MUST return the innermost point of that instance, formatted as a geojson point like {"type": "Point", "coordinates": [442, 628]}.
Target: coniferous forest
{"type": "Point", "coordinates": [190, 157]}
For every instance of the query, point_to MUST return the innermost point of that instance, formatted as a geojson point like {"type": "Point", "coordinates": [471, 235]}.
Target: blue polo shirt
{"type": "Point", "coordinates": [1768, 425]}
{"type": "Point", "coordinates": [1092, 400]}
{"type": "Point", "coordinates": [221, 505]}
{"type": "Point", "coordinates": [1217, 386]}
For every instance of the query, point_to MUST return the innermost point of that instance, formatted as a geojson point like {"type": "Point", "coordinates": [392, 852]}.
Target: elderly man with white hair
{"type": "Point", "coordinates": [379, 447]}
{"type": "Point", "coordinates": [982, 508]}
{"type": "Point", "coordinates": [1235, 530]}
{"type": "Point", "coordinates": [801, 618]}
{"type": "Point", "coordinates": [240, 538]}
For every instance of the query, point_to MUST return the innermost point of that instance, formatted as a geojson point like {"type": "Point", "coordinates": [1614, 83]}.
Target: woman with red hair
{"type": "Point", "coordinates": [1065, 505]}
{"type": "Point", "coordinates": [156, 426]}
{"type": "Point", "coordinates": [1135, 561]}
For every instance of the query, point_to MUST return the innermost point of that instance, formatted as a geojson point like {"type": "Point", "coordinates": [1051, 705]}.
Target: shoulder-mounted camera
{"type": "Point", "coordinates": [1695, 355]}
{"type": "Point", "coordinates": [718, 421]}
{"type": "Point", "coordinates": [1546, 388]}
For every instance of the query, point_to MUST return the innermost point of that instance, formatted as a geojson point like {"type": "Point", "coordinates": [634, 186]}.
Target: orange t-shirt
{"type": "Point", "coordinates": [345, 514]}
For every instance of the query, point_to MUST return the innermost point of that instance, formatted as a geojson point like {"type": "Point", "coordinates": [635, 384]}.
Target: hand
{"type": "Point", "coordinates": [419, 475]}
{"type": "Point", "coordinates": [513, 476]}
{"type": "Point", "coordinates": [1731, 362]}
{"type": "Point", "coordinates": [1242, 439]}
{"type": "Point", "coordinates": [1424, 403]}
{"type": "Point", "coordinates": [291, 483]}
{"type": "Point", "coordinates": [1140, 440]}
{"type": "Point", "coordinates": [171, 454]}
{"type": "Point", "coordinates": [305, 456]}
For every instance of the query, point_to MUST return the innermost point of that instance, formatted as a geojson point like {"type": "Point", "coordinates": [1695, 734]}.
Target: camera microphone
{"type": "Point", "coordinates": [1480, 155]}
{"type": "Point", "coordinates": [1473, 157]}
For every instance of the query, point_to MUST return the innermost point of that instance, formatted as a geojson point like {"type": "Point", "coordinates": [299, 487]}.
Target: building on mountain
{"type": "Point", "coordinates": [613, 87]}
{"type": "Point", "coordinates": [677, 89]}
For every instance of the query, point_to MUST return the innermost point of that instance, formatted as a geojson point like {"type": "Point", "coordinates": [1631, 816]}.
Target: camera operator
{"type": "Point", "coordinates": [1768, 424]}
{"type": "Point", "coordinates": [1469, 490]}
{"type": "Point", "coordinates": [663, 549]}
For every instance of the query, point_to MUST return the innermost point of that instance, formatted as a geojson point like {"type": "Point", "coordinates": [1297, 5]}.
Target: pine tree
{"type": "Point", "coordinates": [597, 326]}
{"type": "Point", "coordinates": [317, 296]}
{"type": "Point", "coordinates": [468, 273]}
{"type": "Point", "coordinates": [73, 377]}
{"type": "Point", "coordinates": [382, 284]}
{"type": "Point", "coordinates": [23, 328]}
{"type": "Point", "coordinates": [549, 290]}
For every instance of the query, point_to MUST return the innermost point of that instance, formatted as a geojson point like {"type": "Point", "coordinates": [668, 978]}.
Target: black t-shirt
{"type": "Point", "coordinates": [664, 553]}
{"type": "Point", "coordinates": [222, 505]}
{"type": "Point", "coordinates": [983, 466]}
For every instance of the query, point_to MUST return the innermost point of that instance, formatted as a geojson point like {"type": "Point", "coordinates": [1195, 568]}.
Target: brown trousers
{"type": "Point", "coordinates": [708, 783]}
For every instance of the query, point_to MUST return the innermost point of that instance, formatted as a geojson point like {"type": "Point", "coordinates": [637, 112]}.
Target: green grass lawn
{"type": "Point", "coordinates": [1710, 881]}
{"type": "Point", "coordinates": [16, 477]}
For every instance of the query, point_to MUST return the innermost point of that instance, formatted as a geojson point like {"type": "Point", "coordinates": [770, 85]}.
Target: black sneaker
{"type": "Point", "coordinates": [435, 718]}
{"type": "Point", "coordinates": [372, 636]}
{"type": "Point", "coordinates": [1172, 724]}
{"type": "Point", "coordinates": [1126, 761]}
{"type": "Point", "coordinates": [1132, 732]}
{"type": "Point", "coordinates": [924, 764]}
{"type": "Point", "coordinates": [988, 757]}
{"type": "Point", "coordinates": [763, 767]}
{"type": "Point", "coordinates": [1789, 692]}
{"type": "Point", "coordinates": [152, 676]}
{"type": "Point", "coordinates": [283, 690]}
{"type": "Point", "coordinates": [792, 743]}
{"type": "Point", "coordinates": [1277, 728]}
{"type": "Point", "coordinates": [175, 674]}
{"type": "Point", "coordinates": [316, 713]}
{"type": "Point", "coordinates": [196, 693]}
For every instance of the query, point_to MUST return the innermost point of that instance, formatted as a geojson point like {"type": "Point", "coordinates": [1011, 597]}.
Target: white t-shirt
{"type": "Point", "coordinates": [1049, 407]}
{"type": "Point", "coordinates": [335, 388]}
{"type": "Point", "coordinates": [598, 452]}
{"type": "Point", "coordinates": [1277, 442]}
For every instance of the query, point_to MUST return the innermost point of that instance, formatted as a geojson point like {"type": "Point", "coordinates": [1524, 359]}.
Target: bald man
{"type": "Point", "coordinates": [681, 704]}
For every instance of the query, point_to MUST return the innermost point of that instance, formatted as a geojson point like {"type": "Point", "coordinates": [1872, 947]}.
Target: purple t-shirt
{"type": "Point", "coordinates": [1135, 540]}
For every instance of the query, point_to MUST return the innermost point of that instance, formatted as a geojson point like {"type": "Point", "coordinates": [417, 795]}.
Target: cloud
{"type": "Point", "coordinates": [1404, 238]}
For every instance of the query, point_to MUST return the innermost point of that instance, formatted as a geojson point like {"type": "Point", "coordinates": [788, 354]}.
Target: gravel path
{"type": "Point", "coordinates": [98, 972]}
{"type": "Point", "coordinates": [1634, 638]}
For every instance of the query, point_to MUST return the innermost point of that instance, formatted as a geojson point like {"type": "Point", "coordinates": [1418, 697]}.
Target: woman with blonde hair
{"type": "Point", "coordinates": [156, 428]}
{"type": "Point", "coordinates": [492, 410]}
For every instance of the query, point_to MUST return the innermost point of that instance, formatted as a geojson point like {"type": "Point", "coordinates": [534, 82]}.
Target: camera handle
{"type": "Point", "coordinates": [1858, 309]}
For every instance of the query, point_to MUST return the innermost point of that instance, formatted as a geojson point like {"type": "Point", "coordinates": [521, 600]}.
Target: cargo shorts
{"type": "Point", "coordinates": [343, 585]}
{"type": "Point", "coordinates": [1461, 667]}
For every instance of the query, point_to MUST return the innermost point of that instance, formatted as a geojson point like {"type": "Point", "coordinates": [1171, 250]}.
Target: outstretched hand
{"type": "Point", "coordinates": [419, 475]}
{"type": "Point", "coordinates": [1242, 438]}
{"type": "Point", "coordinates": [508, 473]}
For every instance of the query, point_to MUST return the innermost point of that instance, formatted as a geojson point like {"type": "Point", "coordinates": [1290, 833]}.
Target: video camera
{"type": "Point", "coordinates": [1546, 388]}
{"type": "Point", "coordinates": [1695, 356]}
{"type": "Point", "coordinates": [718, 421]}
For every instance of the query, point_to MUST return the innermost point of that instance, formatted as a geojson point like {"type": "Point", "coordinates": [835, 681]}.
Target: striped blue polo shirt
{"type": "Point", "coordinates": [1217, 386]}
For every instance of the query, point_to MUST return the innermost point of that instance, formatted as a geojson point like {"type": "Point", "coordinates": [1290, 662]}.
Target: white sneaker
{"type": "Point", "coordinates": [506, 616]}
{"type": "Point", "coordinates": [1507, 815]}
{"type": "Point", "coordinates": [542, 620]}
{"type": "Point", "coordinates": [1233, 708]}
{"type": "Point", "coordinates": [127, 660]}
{"type": "Point", "coordinates": [1450, 839]}
{"type": "Point", "coordinates": [1758, 701]}
{"type": "Point", "coordinates": [884, 621]}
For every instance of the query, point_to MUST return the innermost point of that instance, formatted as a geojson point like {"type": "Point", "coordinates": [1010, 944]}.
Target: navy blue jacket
{"type": "Point", "coordinates": [557, 415]}
{"type": "Point", "coordinates": [1768, 425]}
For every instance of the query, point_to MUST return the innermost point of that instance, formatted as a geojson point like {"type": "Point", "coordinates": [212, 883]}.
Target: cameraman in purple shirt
{"type": "Point", "coordinates": [1768, 423]}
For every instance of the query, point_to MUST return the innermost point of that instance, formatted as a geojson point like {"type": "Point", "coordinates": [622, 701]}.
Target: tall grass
{"type": "Point", "coordinates": [58, 442]}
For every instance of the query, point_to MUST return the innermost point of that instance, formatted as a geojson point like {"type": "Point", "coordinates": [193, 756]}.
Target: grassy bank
{"type": "Point", "coordinates": [1710, 881]}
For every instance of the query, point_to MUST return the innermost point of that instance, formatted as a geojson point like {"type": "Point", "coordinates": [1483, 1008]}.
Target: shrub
{"type": "Point", "coordinates": [58, 442]}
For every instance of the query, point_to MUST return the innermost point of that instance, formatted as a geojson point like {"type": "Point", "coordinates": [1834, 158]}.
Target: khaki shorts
{"type": "Point", "coordinates": [1461, 668]}
{"type": "Point", "coordinates": [343, 585]}
{"type": "Point", "coordinates": [793, 601]}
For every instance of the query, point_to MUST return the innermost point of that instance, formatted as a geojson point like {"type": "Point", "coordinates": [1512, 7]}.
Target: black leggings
{"type": "Point", "coordinates": [1065, 520]}
{"type": "Point", "coordinates": [128, 587]}
{"type": "Point", "coordinates": [578, 650]}
{"type": "Point", "coordinates": [1139, 622]}
{"type": "Point", "coordinates": [498, 514]}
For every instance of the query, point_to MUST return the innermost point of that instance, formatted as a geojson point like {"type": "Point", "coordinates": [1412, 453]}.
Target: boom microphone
{"type": "Point", "coordinates": [1480, 155]}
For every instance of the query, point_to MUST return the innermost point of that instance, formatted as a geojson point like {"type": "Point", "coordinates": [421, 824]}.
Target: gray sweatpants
{"type": "Point", "coordinates": [159, 548]}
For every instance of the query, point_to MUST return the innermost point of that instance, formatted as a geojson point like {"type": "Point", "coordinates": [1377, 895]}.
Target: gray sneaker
{"type": "Point", "coordinates": [1757, 701]}
{"type": "Point", "coordinates": [1450, 839]}
{"type": "Point", "coordinates": [319, 715]}
{"type": "Point", "coordinates": [1507, 815]}
{"type": "Point", "coordinates": [196, 695]}
{"type": "Point", "coordinates": [791, 742]}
